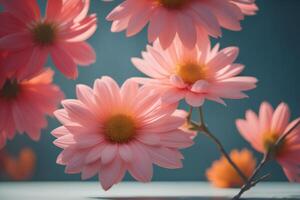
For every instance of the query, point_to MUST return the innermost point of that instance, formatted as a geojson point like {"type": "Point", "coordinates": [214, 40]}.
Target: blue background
{"type": "Point", "coordinates": [269, 47]}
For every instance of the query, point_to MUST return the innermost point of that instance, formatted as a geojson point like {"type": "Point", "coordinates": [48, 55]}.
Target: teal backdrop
{"type": "Point", "coordinates": [269, 47]}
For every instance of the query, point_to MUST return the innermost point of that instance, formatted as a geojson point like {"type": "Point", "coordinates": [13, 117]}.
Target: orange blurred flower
{"type": "Point", "coordinates": [19, 168]}
{"type": "Point", "coordinates": [222, 174]}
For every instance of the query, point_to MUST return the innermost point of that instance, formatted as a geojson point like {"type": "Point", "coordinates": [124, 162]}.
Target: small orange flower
{"type": "Point", "coordinates": [222, 174]}
{"type": "Point", "coordinates": [20, 168]}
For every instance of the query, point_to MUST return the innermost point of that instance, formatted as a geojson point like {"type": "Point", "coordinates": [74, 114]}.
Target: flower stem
{"type": "Point", "coordinates": [262, 178]}
{"type": "Point", "coordinates": [203, 128]}
{"type": "Point", "coordinates": [189, 116]}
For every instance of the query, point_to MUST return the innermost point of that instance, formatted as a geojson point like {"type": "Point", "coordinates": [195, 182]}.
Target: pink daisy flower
{"type": "Point", "coordinates": [111, 130]}
{"type": "Point", "coordinates": [263, 131]}
{"type": "Point", "coordinates": [193, 74]}
{"type": "Point", "coordinates": [60, 34]}
{"type": "Point", "coordinates": [25, 103]}
{"type": "Point", "coordinates": [191, 20]}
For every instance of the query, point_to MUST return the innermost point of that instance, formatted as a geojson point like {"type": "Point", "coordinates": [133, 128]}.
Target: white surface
{"type": "Point", "coordinates": [129, 190]}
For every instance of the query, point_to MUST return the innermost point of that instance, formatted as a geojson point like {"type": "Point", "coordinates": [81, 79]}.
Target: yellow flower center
{"type": "Point", "coordinates": [10, 89]}
{"type": "Point", "coordinates": [269, 143]}
{"type": "Point", "coordinates": [120, 128]}
{"type": "Point", "coordinates": [44, 33]}
{"type": "Point", "coordinates": [172, 4]}
{"type": "Point", "coordinates": [191, 72]}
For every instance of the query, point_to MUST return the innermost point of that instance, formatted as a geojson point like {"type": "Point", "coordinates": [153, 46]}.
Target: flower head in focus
{"type": "Point", "coordinates": [19, 168]}
{"type": "Point", "coordinates": [61, 34]}
{"type": "Point", "coordinates": [192, 20]}
{"type": "Point", "coordinates": [222, 174]}
{"type": "Point", "coordinates": [109, 130]}
{"type": "Point", "coordinates": [195, 75]}
{"type": "Point", "coordinates": [264, 130]}
{"type": "Point", "coordinates": [25, 101]}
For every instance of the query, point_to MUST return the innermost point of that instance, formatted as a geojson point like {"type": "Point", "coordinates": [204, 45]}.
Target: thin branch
{"type": "Point", "coordinates": [204, 129]}
{"type": "Point", "coordinates": [201, 117]}
{"type": "Point", "coordinates": [190, 114]}
{"type": "Point", "coordinates": [262, 178]}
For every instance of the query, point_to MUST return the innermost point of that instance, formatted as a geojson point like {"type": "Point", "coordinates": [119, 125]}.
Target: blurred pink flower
{"type": "Point", "coordinates": [264, 130]}
{"type": "Point", "coordinates": [111, 130]}
{"type": "Point", "coordinates": [191, 20]}
{"type": "Point", "coordinates": [25, 102]}
{"type": "Point", "coordinates": [61, 33]}
{"type": "Point", "coordinates": [193, 74]}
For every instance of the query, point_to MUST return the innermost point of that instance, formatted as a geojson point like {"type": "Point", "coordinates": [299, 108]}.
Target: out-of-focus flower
{"type": "Point", "coordinates": [20, 168]}
{"type": "Point", "coordinates": [192, 20]}
{"type": "Point", "coordinates": [111, 130]}
{"type": "Point", "coordinates": [25, 102]}
{"type": "Point", "coordinates": [193, 74]}
{"type": "Point", "coordinates": [264, 130]}
{"type": "Point", "coordinates": [61, 33]}
{"type": "Point", "coordinates": [222, 174]}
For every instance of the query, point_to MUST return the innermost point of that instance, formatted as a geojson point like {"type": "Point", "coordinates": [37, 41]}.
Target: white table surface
{"type": "Point", "coordinates": [138, 191]}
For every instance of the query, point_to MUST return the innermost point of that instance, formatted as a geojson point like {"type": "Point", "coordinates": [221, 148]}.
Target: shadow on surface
{"type": "Point", "coordinates": [187, 198]}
